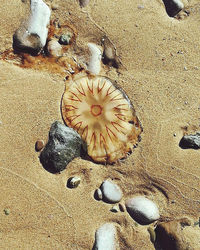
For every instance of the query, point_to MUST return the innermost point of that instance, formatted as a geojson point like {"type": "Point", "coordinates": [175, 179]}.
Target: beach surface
{"type": "Point", "coordinates": [159, 70]}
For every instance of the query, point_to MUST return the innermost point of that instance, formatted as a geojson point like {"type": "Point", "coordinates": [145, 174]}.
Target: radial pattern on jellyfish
{"type": "Point", "coordinates": [103, 115]}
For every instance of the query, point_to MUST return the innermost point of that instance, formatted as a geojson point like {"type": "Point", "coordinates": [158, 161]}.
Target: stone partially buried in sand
{"type": "Point", "coordinates": [103, 115]}
{"type": "Point", "coordinates": [63, 146]}
{"type": "Point", "coordinates": [105, 237]}
{"type": "Point", "coordinates": [111, 192]}
{"type": "Point", "coordinates": [142, 210]}
{"type": "Point", "coordinates": [190, 141]}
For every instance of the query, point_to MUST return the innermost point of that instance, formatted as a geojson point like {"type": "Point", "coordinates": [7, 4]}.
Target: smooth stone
{"type": "Point", "coordinates": [6, 211]}
{"type": "Point", "coordinates": [122, 207]}
{"type": "Point", "coordinates": [98, 194]}
{"type": "Point", "coordinates": [170, 235]}
{"type": "Point", "coordinates": [73, 182]}
{"type": "Point", "coordinates": [84, 3]}
{"type": "Point", "coordinates": [105, 237]}
{"type": "Point", "coordinates": [63, 146]}
{"type": "Point", "coordinates": [190, 141]}
{"type": "Point", "coordinates": [54, 48]}
{"type": "Point", "coordinates": [173, 7]}
{"type": "Point", "coordinates": [65, 39]}
{"type": "Point", "coordinates": [111, 192]}
{"type": "Point", "coordinates": [114, 209]}
{"type": "Point", "coordinates": [39, 145]}
{"type": "Point", "coordinates": [142, 210]}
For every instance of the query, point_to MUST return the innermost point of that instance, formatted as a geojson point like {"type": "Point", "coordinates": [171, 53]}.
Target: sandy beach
{"type": "Point", "coordinates": [159, 69]}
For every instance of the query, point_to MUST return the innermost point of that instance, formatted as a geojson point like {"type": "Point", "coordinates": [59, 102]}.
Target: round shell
{"type": "Point", "coordinates": [103, 115]}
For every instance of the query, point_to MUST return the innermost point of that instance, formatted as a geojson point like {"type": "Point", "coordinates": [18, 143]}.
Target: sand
{"type": "Point", "coordinates": [159, 70]}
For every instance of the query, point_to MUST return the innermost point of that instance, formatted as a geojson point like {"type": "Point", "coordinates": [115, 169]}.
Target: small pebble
{"type": "Point", "coordinates": [84, 3]}
{"type": "Point", "coordinates": [142, 210]}
{"type": "Point", "coordinates": [54, 6]}
{"type": "Point", "coordinates": [98, 194]}
{"type": "Point", "coordinates": [65, 39]}
{"type": "Point", "coordinates": [105, 237]}
{"type": "Point", "coordinates": [185, 68]}
{"type": "Point", "coordinates": [152, 234]}
{"type": "Point", "coordinates": [54, 48]}
{"type": "Point", "coordinates": [122, 207]}
{"type": "Point", "coordinates": [6, 211]}
{"type": "Point", "coordinates": [73, 182]}
{"type": "Point", "coordinates": [109, 53]}
{"type": "Point", "coordinates": [111, 192]}
{"type": "Point", "coordinates": [39, 145]}
{"type": "Point", "coordinates": [114, 209]}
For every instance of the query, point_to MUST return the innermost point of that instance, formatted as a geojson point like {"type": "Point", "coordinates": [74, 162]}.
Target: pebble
{"type": "Point", "coordinates": [114, 209]}
{"type": "Point", "coordinates": [105, 237]}
{"type": "Point", "coordinates": [84, 3]}
{"type": "Point", "coordinates": [122, 207]}
{"type": "Point", "coordinates": [142, 210]}
{"type": "Point", "coordinates": [54, 6]}
{"type": "Point", "coordinates": [190, 141]}
{"type": "Point", "coordinates": [63, 146]}
{"type": "Point", "coordinates": [111, 192]}
{"type": "Point", "coordinates": [94, 64]}
{"type": "Point", "coordinates": [152, 234]}
{"type": "Point", "coordinates": [98, 194]}
{"type": "Point", "coordinates": [32, 35]}
{"type": "Point", "coordinates": [54, 48]}
{"type": "Point", "coordinates": [173, 7]}
{"type": "Point", "coordinates": [65, 39]}
{"type": "Point", "coordinates": [6, 211]}
{"type": "Point", "coordinates": [39, 145]}
{"type": "Point", "coordinates": [170, 235]}
{"type": "Point", "coordinates": [73, 182]}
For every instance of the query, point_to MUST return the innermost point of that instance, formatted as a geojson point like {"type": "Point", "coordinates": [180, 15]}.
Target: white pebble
{"type": "Point", "coordinates": [111, 192]}
{"type": "Point", "coordinates": [105, 237]}
{"type": "Point", "coordinates": [54, 48]}
{"type": "Point", "coordinates": [39, 20]}
{"type": "Point", "coordinates": [99, 194]}
{"type": "Point", "coordinates": [142, 210]}
{"type": "Point", "coordinates": [94, 65]}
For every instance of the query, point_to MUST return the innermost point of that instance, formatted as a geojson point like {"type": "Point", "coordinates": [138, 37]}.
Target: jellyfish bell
{"type": "Point", "coordinates": [103, 115]}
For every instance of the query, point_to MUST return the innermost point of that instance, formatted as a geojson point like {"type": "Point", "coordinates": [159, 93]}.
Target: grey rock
{"type": "Point", "coordinates": [111, 192]}
{"type": "Point", "coordinates": [65, 39]}
{"type": "Point", "coordinates": [190, 141]}
{"type": "Point", "coordinates": [63, 146]}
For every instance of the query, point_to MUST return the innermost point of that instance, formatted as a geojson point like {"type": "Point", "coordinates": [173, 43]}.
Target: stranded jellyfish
{"type": "Point", "coordinates": [103, 115]}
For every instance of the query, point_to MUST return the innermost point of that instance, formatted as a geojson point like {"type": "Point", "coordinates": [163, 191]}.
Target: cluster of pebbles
{"type": "Point", "coordinates": [65, 143]}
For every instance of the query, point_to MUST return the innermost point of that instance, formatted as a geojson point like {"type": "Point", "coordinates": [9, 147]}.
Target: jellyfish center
{"type": "Point", "coordinates": [96, 110]}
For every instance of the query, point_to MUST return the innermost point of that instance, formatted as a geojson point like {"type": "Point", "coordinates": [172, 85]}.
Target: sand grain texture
{"type": "Point", "coordinates": [160, 72]}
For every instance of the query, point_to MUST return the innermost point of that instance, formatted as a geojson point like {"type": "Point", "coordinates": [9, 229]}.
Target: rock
{"type": "Point", "coordinates": [98, 194]}
{"type": "Point", "coordinates": [111, 192]}
{"type": "Point", "coordinates": [105, 237]}
{"type": "Point", "coordinates": [122, 207]}
{"type": "Point", "coordinates": [6, 211]}
{"type": "Point", "coordinates": [173, 7]}
{"type": "Point", "coordinates": [142, 210]}
{"type": "Point", "coordinates": [32, 34]}
{"type": "Point", "coordinates": [84, 3]}
{"type": "Point", "coordinates": [54, 6]}
{"type": "Point", "coordinates": [39, 145]}
{"type": "Point", "coordinates": [170, 235]}
{"type": "Point", "coordinates": [114, 209]}
{"type": "Point", "coordinates": [54, 48]}
{"type": "Point", "coordinates": [73, 182]}
{"type": "Point", "coordinates": [152, 234]}
{"type": "Point", "coordinates": [190, 141]}
{"type": "Point", "coordinates": [65, 39]}
{"type": "Point", "coordinates": [63, 146]}
{"type": "Point", "coordinates": [94, 64]}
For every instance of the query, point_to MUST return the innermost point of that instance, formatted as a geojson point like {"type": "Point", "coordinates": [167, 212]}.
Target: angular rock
{"type": "Point", "coordinates": [142, 210]}
{"type": "Point", "coordinates": [111, 192]}
{"type": "Point", "coordinates": [105, 237]}
{"type": "Point", "coordinates": [63, 146]}
{"type": "Point", "coordinates": [65, 39]}
{"type": "Point", "coordinates": [190, 141]}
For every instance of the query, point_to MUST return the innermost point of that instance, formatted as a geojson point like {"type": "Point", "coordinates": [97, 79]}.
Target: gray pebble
{"type": "Point", "coordinates": [114, 209]}
{"type": "Point", "coordinates": [190, 141]}
{"type": "Point", "coordinates": [63, 146]}
{"type": "Point", "coordinates": [111, 192]}
{"type": "Point", "coordinates": [65, 39]}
